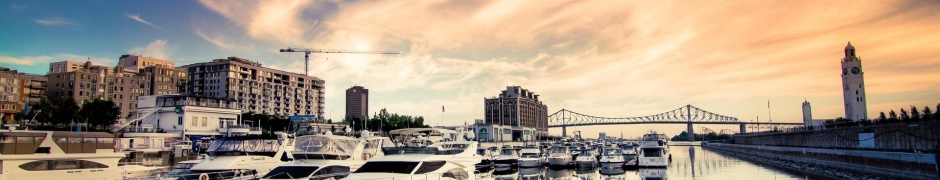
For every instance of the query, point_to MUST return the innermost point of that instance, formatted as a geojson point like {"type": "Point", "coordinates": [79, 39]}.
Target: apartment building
{"type": "Point", "coordinates": [257, 89]}
{"type": "Point", "coordinates": [135, 63]}
{"type": "Point", "coordinates": [17, 90]}
{"type": "Point", "coordinates": [357, 102]}
{"type": "Point", "coordinates": [519, 109]}
{"type": "Point", "coordinates": [90, 81]}
{"type": "Point", "coordinates": [163, 80]}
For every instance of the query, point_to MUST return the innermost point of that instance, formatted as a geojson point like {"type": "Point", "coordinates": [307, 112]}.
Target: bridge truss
{"type": "Point", "coordinates": [687, 114]}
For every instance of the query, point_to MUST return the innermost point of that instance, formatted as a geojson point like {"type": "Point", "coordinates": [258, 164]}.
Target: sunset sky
{"type": "Point", "coordinates": [604, 58]}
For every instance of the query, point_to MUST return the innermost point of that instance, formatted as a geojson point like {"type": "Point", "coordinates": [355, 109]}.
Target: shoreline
{"type": "Point", "coordinates": [811, 171]}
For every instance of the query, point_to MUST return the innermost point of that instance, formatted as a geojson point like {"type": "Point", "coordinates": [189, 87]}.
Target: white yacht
{"type": "Point", "coordinates": [507, 158]}
{"type": "Point", "coordinates": [530, 157]}
{"type": "Point", "coordinates": [587, 158]}
{"type": "Point", "coordinates": [560, 156]}
{"type": "Point", "coordinates": [326, 156]}
{"type": "Point", "coordinates": [487, 161]}
{"type": "Point", "coordinates": [653, 151]}
{"type": "Point", "coordinates": [28, 154]}
{"type": "Point", "coordinates": [612, 159]}
{"type": "Point", "coordinates": [630, 151]}
{"type": "Point", "coordinates": [181, 168]}
{"type": "Point", "coordinates": [243, 157]}
{"type": "Point", "coordinates": [449, 160]}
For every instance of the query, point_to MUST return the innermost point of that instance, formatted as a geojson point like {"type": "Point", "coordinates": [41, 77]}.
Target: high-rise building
{"type": "Point", "coordinates": [520, 109]}
{"type": "Point", "coordinates": [17, 90]}
{"type": "Point", "coordinates": [807, 114]}
{"type": "Point", "coordinates": [257, 89]}
{"type": "Point", "coordinates": [134, 63]}
{"type": "Point", "coordinates": [357, 102]}
{"type": "Point", "coordinates": [853, 85]}
{"type": "Point", "coordinates": [163, 80]}
{"type": "Point", "coordinates": [89, 81]}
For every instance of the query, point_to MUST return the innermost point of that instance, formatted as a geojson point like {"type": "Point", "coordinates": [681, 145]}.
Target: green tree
{"type": "Point", "coordinates": [893, 116]}
{"type": "Point", "coordinates": [928, 115]}
{"type": "Point", "coordinates": [99, 113]}
{"type": "Point", "coordinates": [42, 111]}
{"type": "Point", "coordinates": [904, 115]}
{"type": "Point", "coordinates": [915, 114]}
{"type": "Point", "coordinates": [881, 117]}
{"type": "Point", "coordinates": [66, 112]}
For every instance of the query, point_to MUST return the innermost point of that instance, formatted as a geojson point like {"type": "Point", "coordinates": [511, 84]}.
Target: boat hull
{"type": "Point", "coordinates": [530, 163]}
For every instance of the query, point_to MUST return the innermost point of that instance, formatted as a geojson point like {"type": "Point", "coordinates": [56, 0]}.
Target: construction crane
{"type": "Point", "coordinates": [308, 51]}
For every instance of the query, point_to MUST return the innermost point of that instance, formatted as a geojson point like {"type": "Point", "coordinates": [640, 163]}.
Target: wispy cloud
{"type": "Point", "coordinates": [53, 22]}
{"type": "Point", "coordinates": [625, 59]}
{"type": "Point", "coordinates": [157, 49]}
{"type": "Point", "coordinates": [42, 60]}
{"type": "Point", "coordinates": [136, 17]}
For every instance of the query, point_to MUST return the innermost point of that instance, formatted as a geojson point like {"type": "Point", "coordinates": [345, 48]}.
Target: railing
{"type": "Point", "coordinates": [140, 116]}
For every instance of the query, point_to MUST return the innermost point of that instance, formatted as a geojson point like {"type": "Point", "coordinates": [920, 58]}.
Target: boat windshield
{"type": "Point", "coordinates": [560, 149]}
{"type": "Point", "coordinates": [652, 152]}
{"type": "Point", "coordinates": [613, 152]}
{"type": "Point", "coordinates": [507, 152]}
{"type": "Point", "coordinates": [586, 153]}
{"type": "Point", "coordinates": [481, 151]}
{"type": "Point", "coordinates": [530, 155]}
{"type": "Point", "coordinates": [237, 147]}
{"type": "Point", "coordinates": [324, 147]}
{"type": "Point", "coordinates": [290, 172]}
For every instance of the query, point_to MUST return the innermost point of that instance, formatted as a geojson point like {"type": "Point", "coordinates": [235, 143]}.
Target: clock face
{"type": "Point", "coordinates": [856, 70]}
{"type": "Point", "coordinates": [845, 71]}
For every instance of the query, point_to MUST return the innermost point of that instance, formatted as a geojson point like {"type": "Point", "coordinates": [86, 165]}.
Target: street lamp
{"type": "Point", "coordinates": [331, 114]}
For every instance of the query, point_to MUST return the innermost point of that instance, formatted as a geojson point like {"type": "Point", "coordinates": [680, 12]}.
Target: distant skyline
{"type": "Point", "coordinates": [603, 58]}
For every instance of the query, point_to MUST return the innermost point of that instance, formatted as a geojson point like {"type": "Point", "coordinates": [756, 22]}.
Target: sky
{"type": "Point", "coordinates": [603, 58]}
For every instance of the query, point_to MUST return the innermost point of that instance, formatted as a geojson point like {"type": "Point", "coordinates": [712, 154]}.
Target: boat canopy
{"type": "Point", "coordinates": [432, 131]}
{"type": "Point", "coordinates": [242, 146]}
{"type": "Point", "coordinates": [324, 147]}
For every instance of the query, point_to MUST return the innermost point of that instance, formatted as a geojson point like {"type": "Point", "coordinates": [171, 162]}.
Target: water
{"type": "Point", "coordinates": [688, 162]}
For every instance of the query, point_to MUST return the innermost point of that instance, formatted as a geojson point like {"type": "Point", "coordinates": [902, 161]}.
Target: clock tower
{"type": "Point", "coordinates": [853, 85]}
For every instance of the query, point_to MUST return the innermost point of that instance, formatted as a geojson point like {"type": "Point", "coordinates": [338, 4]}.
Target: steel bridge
{"type": "Point", "coordinates": [687, 114]}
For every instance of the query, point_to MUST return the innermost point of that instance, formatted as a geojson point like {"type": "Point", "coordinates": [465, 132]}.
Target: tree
{"type": "Point", "coordinates": [66, 112]}
{"type": "Point", "coordinates": [928, 115]}
{"type": "Point", "coordinates": [893, 116]}
{"type": "Point", "coordinates": [915, 114]}
{"type": "Point", "coordinates": [99, 113]}
{"type": "Point", "coordinates": [43, 111]}
{"type": "Point", "coordinates": [904, 115]}
{"type": "Point", "coordinates": [881, 117]}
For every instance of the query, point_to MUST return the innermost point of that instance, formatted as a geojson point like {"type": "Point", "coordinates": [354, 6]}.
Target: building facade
{"type": "Point", "coordinates": [188, 115]}
{"type": "Point", "coordinates": [853, 85]}
{"type": "Point", "coordinates": [163, 80]}
{"type": "Point", "coordinates": [357, 102]}
{"type": "Point", "coordinates": [807, 114]}
{"type": "Point", "coordinates": [517, 108]}
{"type": "Point", "coordinates": [89, 81]}
{"type": "Point", "coordinates": [17, 90]}
{"type": "Point", "coordinates": [257, 89]}
{"type": "Point", "coordinates": [134, 63]}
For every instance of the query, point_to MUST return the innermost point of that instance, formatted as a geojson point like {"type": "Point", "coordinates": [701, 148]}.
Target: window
{"type": "Point", "coordinates": [388, 167]}
{"type": "Point", "coordinates": [193, 122]}
{"type": "Point", "coordinates": [430, 166]}
{"type": "Point", "coordinates": [290, 172]}
{"type": "Point", "coordinates": [180, 121]}
{"type": "Point", "coordinates": [205, 122]}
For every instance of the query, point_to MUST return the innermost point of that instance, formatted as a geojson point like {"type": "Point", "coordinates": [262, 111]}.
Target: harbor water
{"type": "Point", "coordinates": [688, 162]}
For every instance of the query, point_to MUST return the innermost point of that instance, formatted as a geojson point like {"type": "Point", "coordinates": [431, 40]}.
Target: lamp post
{"type": "Point", "coordinates": [331, 114]}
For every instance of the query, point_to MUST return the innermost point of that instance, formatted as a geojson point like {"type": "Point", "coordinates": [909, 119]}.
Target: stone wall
{"type": "Point", "coordinates": [888, 164]}
{"type": "Point", "coordinates": [911, 137]}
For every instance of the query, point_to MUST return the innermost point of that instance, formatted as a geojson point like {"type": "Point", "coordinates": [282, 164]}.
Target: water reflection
{"type": "Point", "coordinates": [687, 163]}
